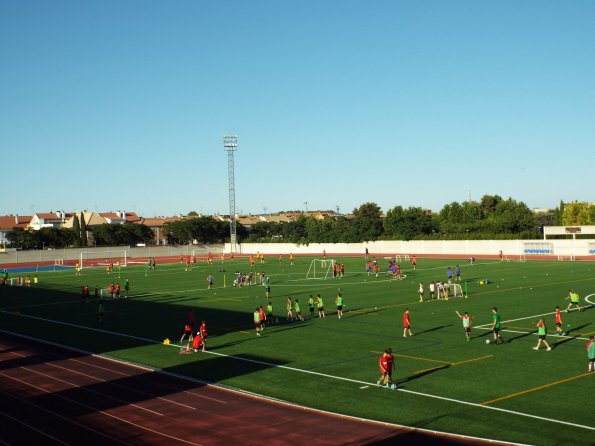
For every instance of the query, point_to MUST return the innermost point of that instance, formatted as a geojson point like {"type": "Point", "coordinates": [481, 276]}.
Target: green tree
{"type": "Point", "coordinates": [367, 222]}
{"type": "Point", "coordinates": [83, 230]}
{"type": "Point", "coordinates": [488, 204]}
{"type": "Point", "coordinates": [576, 214]}
{"type": "Point", "coordinates": [407, 224]}
{"type": "Point", "coordinates": [76, 228]}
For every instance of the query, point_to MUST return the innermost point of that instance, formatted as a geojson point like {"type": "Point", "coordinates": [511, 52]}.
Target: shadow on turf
{"type": "Point", "coordinates": [422, 374]}
{"type": "Point", "coordinates": [433, 329]}
{"type": "Point", "coordinates": [62, 317]}
{"type": "Point", "coordinates": [578, 328]}
{"type": "Point", "coordinates": [416, 438]}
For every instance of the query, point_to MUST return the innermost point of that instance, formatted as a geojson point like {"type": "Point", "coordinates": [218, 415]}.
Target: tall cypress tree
{"type": "Point", "coordinates": [76, 228]}
{"type": "Point", "coordinates": [83, 230]}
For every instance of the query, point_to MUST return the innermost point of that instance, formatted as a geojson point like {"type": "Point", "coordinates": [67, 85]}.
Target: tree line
{"type": "Point", "coordinates": [490, 218]}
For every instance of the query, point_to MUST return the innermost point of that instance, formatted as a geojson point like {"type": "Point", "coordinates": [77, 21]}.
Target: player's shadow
{"type": "Point", "coordinates": [522, 335]}
{"type": "Point", "coordinates": [433, 329]}
{"type": "Point", "coordinates": [422, 374]}
{"type": "Point", "coordinates": [578, 328]}
{"type": "Point", "coordinates": [564, 341]}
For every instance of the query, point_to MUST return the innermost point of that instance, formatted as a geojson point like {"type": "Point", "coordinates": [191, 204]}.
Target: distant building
{"type": "Point", "coordinates": [10, 222]}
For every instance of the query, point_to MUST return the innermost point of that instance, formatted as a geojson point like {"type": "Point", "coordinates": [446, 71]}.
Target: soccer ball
{"type": "Point", "coordinates": [487, 341]}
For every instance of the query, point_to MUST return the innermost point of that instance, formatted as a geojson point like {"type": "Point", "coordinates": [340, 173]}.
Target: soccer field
{"type": "Point", "coordinates": [504, 392]}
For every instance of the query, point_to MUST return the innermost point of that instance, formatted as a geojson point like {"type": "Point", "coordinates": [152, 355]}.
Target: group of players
{"type": "Point", "coordinates": [198, 338]}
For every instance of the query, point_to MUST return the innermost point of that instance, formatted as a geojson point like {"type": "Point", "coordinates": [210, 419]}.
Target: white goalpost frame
{"type": "Point", "coordinates": [562, 257]}
{"type": "Point", "coordinates": [58, 262]}
{"type": "Point", "coordinates": [455, 290]}
{"type": "Point", "coordinates": [324, 268]}
{"type": "Point", "coordinates": [14, 281]}
{"type": "Point", "coordinates": [402, 258]}
{"type": "Point", "coordinates": [104, 258]}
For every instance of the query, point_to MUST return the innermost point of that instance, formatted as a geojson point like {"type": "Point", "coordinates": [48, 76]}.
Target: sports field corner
{"type": "Point", "coordinates": [445, 383]}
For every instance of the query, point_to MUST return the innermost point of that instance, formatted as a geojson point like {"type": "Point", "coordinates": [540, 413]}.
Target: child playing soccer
{"type": "Point", "coordinates": [541, 332]}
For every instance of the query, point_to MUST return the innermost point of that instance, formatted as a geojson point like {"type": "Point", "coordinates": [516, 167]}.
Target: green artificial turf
{"type": "Point", "coordinates": [332, 364]}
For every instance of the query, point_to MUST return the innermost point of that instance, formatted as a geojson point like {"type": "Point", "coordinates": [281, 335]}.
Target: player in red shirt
{"type": "Point", "coordinates": [390, 360]}
{"type": "Point", "coordinates": [190, 318]}
{"type": "Point", "coordinates": [559, 330]}
{"type": "Point", "coordinates": [263, 317]}
{"type": "Point", "coordinates": [280, 258]}
{"type": "Point", "coordinates": [406, 323]}
{"type": "Point", "coordinates": [386, 364]}
{"type": "Point", "coordinates": [291, 259]}
{"type": "Point", "coordinates": [203, 330]}
{"type": "Point", "coordinates": [181, 257]}
{"type": "Point", "coordinates": [413, 262]}
{"type": "Point", "coordinates": [198, 343]}
{"type": "Point", "coordinates": [187, 332]}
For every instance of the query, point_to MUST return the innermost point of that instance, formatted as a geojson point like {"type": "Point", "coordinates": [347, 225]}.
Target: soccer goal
{"type": "Point", "coordinates": [455, 290]}
{"type": "Point", "coordinates": [320, 269]}
{"type": "Point", "coordinates": [104, 258]}
{"type": "Point", "coordinates": [569, 257]}
{"type": "Point", "coordinates": [402, 258]}
{"type": "Point", "coordinates": [58, 262]}
{"type": "Point", "coordinates": [16, 281]}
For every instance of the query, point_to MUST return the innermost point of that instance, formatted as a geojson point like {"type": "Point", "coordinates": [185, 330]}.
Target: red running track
{"type": "Point", "coordinates": [51, 395]}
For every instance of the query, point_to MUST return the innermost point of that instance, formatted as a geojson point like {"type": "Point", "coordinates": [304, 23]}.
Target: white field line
{"type": "Point", "coordinates": [339, 378]}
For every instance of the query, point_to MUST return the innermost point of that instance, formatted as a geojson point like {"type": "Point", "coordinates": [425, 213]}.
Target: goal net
{"type": "Point", "coordinates": [320, 269]}
{"type": "Point", "coordinates": [402, 258]}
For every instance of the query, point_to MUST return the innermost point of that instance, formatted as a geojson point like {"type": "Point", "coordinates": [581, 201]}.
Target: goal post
{"type": "Point", "coordinates": [115, 257]}
{"type": "Point", "coordinates": [455, 290]}
{"type": "Point", "coordinates": [320, 269]}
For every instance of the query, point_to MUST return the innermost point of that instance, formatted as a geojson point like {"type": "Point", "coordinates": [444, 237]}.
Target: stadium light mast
{"type": "Point", "coordinates": [230, 145]}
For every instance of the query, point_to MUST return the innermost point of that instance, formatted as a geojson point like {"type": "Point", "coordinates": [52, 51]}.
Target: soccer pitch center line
{"type": "Point", "coordinates": [310, 372]}
{"type": "Point", "coordinates": [545, 386]}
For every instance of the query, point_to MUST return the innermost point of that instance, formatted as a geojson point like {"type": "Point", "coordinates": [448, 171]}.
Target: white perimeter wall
{"type": "Point", "coordinates": [420, 247]}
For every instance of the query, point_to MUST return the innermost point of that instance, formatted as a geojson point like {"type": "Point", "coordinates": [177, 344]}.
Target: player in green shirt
{"type": "Point", "coordinates": [496, 325]}
{"type": "Point", "coordinates": [591, 353]}
{"type": "Point", "coordinates": [466, 323]}
{"type": "Point", "coordinates": [269, 311]}
{"type": "Point", "coordinates": [257, 321]}
{"type": "Point", "coordinates": [320, 304]}
{"type": "Point", "coordinates": [541, 333]}
{"type": "Point", "coordinates": [311, 306]}
{"type": "Point", "coordinates": [339, 303]}
{"type": "Point", "coordinates": [574, 300]}
{"type": "Point", "coordinates": [298, 311]}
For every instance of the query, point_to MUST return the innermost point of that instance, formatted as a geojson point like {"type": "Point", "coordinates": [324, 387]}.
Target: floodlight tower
{"type": "Point", "coordinates": [230, 145]}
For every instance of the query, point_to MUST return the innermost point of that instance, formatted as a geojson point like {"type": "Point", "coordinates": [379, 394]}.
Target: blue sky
{"type": "Point", "coordinates": [122, 105]}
